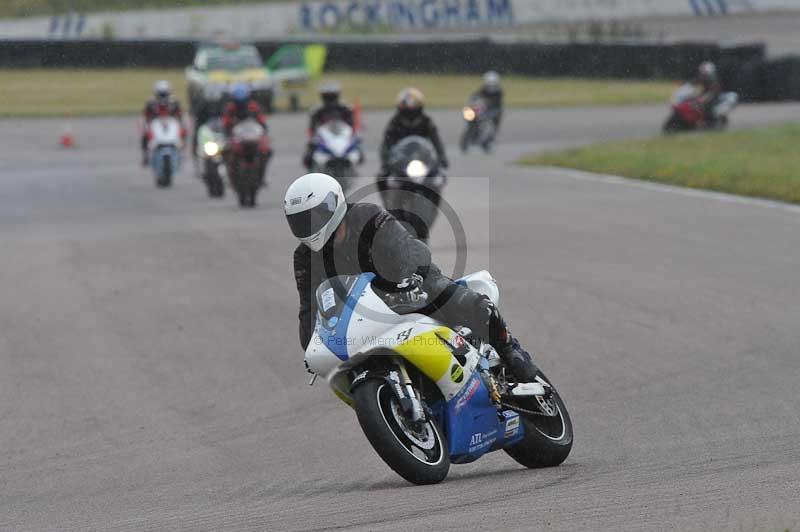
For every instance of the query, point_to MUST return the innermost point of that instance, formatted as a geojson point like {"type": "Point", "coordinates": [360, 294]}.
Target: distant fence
{"type": "Point", "coordinates": [743, 68]}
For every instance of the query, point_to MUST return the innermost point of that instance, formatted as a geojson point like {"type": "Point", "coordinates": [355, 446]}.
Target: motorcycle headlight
{"type": "Point", "coordinates": [469, 114]}
{"type": "Point", "coordinates": [211, 148]}
{"type": "Point", "coordinates": [416, 169]}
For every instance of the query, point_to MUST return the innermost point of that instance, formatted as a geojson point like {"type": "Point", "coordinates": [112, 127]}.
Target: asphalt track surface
{"type": "Point", "coordinates": [151, 379]}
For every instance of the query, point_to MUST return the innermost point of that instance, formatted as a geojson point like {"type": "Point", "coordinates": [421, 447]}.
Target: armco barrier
{"type": "Point", "coordinates": [642, 61]}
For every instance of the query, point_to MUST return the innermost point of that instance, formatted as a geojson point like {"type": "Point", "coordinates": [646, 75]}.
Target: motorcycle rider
{"type": "Point", "coordinates": [241, 107]}
{"type": "Point", "coordinates": [162, 100]}
{"type": "Point", "coordinates": [707, 80]}
{"type": "Point", "coordinates": [330, 109]}
{"type": "Point", "coordinates": [337, 238]}
{"type": "Point", "coordinates": [410, 119]}
{"type": "Point", "coordinates": [492, 93]}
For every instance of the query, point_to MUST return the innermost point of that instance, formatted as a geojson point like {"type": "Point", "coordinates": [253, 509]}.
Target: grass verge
{"type": "Point", "coordinates": [123, 91]}
{"type": "Point", "coordinates": [759, 162]}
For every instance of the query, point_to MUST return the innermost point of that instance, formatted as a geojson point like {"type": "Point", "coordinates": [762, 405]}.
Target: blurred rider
{"type": "Point", "coordinates": [492, 93]}
{"type": "Point", "coordinates": [410, 119]}
{"type": "Point", "coordinates": [707, 80]}
{"type": "Point", "coordinates": [241, 107]}
{"type": "Point", "coordinates": [162, 102]}
{"type": "Point", "coordinates": [339, 238]}
{"type": "Point", "coordinates": [329, 110]}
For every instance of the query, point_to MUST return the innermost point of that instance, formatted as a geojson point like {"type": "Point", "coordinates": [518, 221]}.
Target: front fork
{"type": "Point", "coordinates": [409, 398]}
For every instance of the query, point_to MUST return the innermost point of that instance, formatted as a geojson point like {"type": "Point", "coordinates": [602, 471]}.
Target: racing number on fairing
{"type": "Point", "coordinates": [403, 336]}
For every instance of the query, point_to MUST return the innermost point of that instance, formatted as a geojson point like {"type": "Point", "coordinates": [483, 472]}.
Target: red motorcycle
{"type": "Point", "coordinates": [249, 152]}
{"type": "Point", "coordinates": [688, 113]}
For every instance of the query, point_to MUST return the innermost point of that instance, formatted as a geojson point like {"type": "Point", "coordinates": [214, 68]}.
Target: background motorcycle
{"type": "Point", "coordinates": [165, 140]}
{"type": "Point", "coordinates": [427, 396]}
{"type": "Point", "coordinates": [248, 153]}
{"type": "Point", "coordinates": [480, 129]}
{"type": "Point", "coordinates": [210, 145]}
{"type": "Point", "coordinates": [337, 151]}
{"type": "Point", "coordinates": [411, 191]}
{"type": "Point", "coordinates": [687, 110]}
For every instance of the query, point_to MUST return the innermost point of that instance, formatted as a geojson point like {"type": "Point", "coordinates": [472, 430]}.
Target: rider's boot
{"type": "Point", "coordinates": [517, 359]}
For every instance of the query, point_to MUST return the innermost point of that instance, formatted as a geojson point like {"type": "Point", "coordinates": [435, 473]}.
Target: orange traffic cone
{"type": "Point", "coordinates": [67, 138]}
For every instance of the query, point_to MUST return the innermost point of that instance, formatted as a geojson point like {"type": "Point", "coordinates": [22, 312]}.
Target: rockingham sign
{"type": "Point", "coordinates": [405, 14]}
{"type": "Point", "coordinates": [282, 19]}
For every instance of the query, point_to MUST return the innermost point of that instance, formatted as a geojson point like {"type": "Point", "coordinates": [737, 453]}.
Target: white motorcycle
{"type": "Point", "coordinates": [337, 151]}
{"type": "Point", "coordinates": [164, 146]}
{"type": "Point", "coordinates": [425, 395]}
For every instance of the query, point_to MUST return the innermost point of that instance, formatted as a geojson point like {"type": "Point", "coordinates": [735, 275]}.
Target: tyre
{"type": "Point", "coordinates": [216, 188]}
{"type": "Point", "coordinates": [165, 179]}
{"type": "Point", "coordinates": [548, 440]}
{"type": "Point", "coordinates": [463, 143]}
{"type": "Point", "coordinates": [674, 124]}
{"type": "Point", "coordinates": [416, 451]}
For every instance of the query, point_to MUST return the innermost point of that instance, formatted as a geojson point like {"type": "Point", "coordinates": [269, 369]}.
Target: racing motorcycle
{"type": "Point", "coordinates": [411, 191]}
{"type": "Point", "coordinates": [336, 152]}
{"type": "Point", "coordinates": [210, 145]}
{"type": "Point", "coordinates": [165, 141]}
{"type": "Point", "coordinates": [246, 161]}
{"type": "Point", "coordinates": [426, 395]}
{"type": "Point", "coordinates": [480, 129]}
{"type": "Point", "coordinates": [687, 110]}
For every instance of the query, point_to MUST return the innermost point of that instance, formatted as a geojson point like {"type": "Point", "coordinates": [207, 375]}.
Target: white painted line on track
{"type": "Point", "coordinates": [722, 197]}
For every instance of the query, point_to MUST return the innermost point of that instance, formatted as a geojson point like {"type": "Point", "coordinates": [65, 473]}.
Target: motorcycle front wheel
{"type": "Point", "coordinates": [214, 183]}
{"type": "Point", "coordinates": [416, 451]}
{"type": "Point", "coordinates": [674, 124]}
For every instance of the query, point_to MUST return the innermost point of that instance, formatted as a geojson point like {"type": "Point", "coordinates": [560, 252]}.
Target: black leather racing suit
{"type": "Point", "coordinates": [494, 102]}
{"type": "Point", "coordinates": [376, 242]}
{"type": "Point", "coordinates": [404, 125]}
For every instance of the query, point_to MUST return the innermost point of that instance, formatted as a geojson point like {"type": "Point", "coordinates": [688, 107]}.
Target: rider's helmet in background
{"type": "Point", "coordinates": [491, 81]}
{"type": "Point", "coordinates": [329, 93]}
{"type": "Point", "coordinates": [707, 72]}
{"type": "Point", "coordinates": [314, 206]}
{"type": "Point", "coordinates": [240, 93]}
{"type": "Point", "coordinates": [162, 89]}
{"type": "Point", "coordinates": [410, 103]}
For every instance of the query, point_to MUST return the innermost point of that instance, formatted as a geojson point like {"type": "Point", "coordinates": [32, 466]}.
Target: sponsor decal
{"type": "Point", "coordinates": [403, 336]}
{"type": "Point", "coordinates": [458, 341]}
{"type": "Point", "coordinates": [481, 440]}
{"type": "Point", "coordinates": [470, 391]}
{"type": "Point", "coordinates": [328, 300]}
{"type": "Point", "coordinates": [456, 373]}
{"type": "Point", "coordinates": [512, 426]}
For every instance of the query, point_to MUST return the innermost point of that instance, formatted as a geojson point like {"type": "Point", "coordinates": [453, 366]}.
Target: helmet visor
{"type": "Point", "coordinates": [309, 222]}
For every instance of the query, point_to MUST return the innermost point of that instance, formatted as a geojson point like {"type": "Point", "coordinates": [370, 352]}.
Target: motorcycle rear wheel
{"type": "Point", "coordinates": [165, 179]}
{"type": "Point", "coordinates": [548, 440]}
{"type": "Point", "coordinates": [417, 452]}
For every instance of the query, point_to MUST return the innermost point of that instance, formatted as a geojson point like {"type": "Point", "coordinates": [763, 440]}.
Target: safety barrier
{"type": "Point", "coordinates": [458, 56]}
{"type": "Point", "coordinates": [744, 68]}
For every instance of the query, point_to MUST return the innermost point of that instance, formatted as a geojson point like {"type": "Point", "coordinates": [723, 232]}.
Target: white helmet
{"type": "Point", "coordinates": [491, 80]}
{"type": "Point", "coordinates": [162, 88]}
{"type": "Point", "coordinates": [315, 206]}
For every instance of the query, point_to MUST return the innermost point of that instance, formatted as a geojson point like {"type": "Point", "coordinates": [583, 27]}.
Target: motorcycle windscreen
{"type": "Point", "coordinates": [309, 222]}
{"type": "Point", "coordinates": [331, 297]}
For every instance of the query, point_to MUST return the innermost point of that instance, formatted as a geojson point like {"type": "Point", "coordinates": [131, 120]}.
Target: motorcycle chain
{"type": "Point", "coordinates": [523, 410]}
